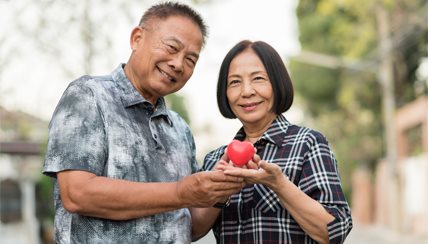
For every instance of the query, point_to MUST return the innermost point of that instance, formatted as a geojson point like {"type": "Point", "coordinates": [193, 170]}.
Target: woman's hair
{"type": "Point", "coordinates": [278, 75]}
{"type": "Point", "coordinates": [167, 9]}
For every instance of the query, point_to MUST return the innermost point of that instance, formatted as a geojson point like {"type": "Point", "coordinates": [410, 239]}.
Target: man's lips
{"type": "Point", "coordinates": [169, 77]}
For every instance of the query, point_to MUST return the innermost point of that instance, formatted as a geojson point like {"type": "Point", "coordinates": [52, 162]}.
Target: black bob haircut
{"type": "Point", "coordinates": [278, 75]}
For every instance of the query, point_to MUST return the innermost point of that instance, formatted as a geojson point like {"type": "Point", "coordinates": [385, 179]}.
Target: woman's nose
{"type": "Point", "coordinates": [247, 89]}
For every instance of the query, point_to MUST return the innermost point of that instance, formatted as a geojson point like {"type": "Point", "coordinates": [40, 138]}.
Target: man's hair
{"type": "Point", "coordinates": [282, 87]}
{"type": "Point", "coordinates": [166, 9]}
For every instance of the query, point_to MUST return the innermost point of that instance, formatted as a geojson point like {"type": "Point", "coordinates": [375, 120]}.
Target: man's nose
{"type": "Point", "coordinates": [177, 63]}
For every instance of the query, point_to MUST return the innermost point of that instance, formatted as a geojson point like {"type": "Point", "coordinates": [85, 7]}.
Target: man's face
{"type": "Point", "coordinates": [164, 56]}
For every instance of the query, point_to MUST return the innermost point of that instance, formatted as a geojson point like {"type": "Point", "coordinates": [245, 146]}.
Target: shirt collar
{"type": "Point", "coordinates": [130, 96]}
{"type": "Point", "coordinates": [274, 134]}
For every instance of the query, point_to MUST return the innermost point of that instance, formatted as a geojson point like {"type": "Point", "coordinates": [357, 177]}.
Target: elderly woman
{"type": "Point", "coordinates": [294, 192]}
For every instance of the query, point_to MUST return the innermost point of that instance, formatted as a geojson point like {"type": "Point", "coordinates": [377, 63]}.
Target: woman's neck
{"type": "Point", "coordinates": [254, 132]}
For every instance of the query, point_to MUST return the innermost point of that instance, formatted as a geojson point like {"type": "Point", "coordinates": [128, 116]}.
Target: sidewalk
{"type": "Point", "coordinates": [362, 235]}
{"type": "Point", "coordinates": [382, 235]}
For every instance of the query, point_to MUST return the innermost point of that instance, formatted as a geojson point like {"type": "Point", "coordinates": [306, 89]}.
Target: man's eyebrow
{"type": "Point", "coordinates": [180, 44]}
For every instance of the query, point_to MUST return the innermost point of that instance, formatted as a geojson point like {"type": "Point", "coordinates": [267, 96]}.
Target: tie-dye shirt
{"type": "Point", "coordinates": [104, 126]}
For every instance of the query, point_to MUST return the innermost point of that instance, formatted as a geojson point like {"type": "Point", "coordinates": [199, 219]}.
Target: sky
{"type": "Point", "coordinates": [32, 82]}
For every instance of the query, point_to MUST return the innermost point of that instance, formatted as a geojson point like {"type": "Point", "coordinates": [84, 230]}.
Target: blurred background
{"type": "Point", "coordinates": [359, 67]}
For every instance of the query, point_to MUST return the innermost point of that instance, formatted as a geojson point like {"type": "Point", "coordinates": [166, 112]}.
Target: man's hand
{"type": "Point", "coordinates": [204, 189]}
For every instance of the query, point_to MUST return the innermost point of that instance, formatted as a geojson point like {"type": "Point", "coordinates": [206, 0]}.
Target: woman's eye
{"type": "Point", "coordinates": [260, 79]}
{"type": "Point", "coordinates": [234, 82]}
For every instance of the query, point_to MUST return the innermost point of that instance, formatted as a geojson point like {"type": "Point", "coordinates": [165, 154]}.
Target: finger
{"type": "Point", "coordinates": [251, 165]}
{"type": "Point", "coordinates": [221, 177]}
{"type": "Point", "coordinates": [225, 167]}
{"type": "Point", "coordinates": [234, 172]}
{"type": "Point", "coordinates": [269, 167]}
{"type": "Point", "coordinates": [256, 158]}
{"type": "Point", "coordinates": [220, 164]}
{"type": "Point", "coordinates": [224, 156]}
{"type": "Point", "coordinates": [238, 172]}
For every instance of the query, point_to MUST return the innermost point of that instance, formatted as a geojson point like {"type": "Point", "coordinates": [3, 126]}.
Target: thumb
{"type": "Point", "coordinates": [265, 165]}
{"type": "Point", "coordinates": [224, 157]}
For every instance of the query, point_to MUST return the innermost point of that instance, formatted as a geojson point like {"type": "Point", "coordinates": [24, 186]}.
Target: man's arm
{"type": "Point", "coordinates": [85, 193]}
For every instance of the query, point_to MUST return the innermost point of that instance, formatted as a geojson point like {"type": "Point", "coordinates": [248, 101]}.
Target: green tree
{"type": "Point", "coordinates": [177, 103]}
{"type": "Point", "coordinates": [344, 99]}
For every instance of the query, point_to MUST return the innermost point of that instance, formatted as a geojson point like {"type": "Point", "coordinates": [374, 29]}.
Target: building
{"type": "Point", "coordinates": [396, 195]}
{"type": "Point", "coordinates": [21, 157]}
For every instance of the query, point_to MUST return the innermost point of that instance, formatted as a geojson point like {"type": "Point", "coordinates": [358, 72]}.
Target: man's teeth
{"type": "Point", "coordinates": [167, 76]}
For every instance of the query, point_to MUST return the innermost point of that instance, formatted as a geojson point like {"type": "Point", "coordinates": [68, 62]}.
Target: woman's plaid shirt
{"type": "Point", "coordinates": [256, 215]}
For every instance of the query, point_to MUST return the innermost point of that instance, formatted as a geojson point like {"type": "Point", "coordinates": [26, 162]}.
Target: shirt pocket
{"type": "Point", "coordinates": [265, 200]}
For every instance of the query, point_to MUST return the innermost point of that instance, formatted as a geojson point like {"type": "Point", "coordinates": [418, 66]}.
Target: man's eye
{"type": "Point", "coordinates": [191, 61]}
{"type": "Point", "coordinates": [172, 48]}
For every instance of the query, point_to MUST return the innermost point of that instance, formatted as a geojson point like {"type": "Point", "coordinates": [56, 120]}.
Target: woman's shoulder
{"type": "Point", "coordinates": [309, 134]}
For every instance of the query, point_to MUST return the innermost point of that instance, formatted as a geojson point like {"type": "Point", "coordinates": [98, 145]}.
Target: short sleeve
{"type": "Point", "coordinates": [76, 133]}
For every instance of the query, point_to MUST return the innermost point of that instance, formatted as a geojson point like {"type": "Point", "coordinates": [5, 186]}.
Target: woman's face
{"type": "Point", "coordinates": [249, 90]}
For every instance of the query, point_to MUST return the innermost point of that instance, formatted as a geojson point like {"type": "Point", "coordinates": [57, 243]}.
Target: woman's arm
{"type": "Point", "coordinates": [203, 220]}
{"type": "Point", "coordinates": [309, 214]}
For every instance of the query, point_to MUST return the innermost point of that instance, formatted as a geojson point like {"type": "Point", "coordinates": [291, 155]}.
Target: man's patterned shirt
{"type": "Point", "coordinates": [104, 126]}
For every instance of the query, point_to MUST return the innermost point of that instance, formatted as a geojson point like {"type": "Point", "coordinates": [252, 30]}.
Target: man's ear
{"type": "Point", "coordinates": [135, 38]}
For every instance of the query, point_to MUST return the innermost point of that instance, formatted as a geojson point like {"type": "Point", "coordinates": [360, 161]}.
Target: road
{"type": "Point", "coordinates": [362, 235]}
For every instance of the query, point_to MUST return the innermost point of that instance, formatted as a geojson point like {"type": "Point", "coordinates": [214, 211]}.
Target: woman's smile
{"type": "Point", "coordinates": [250, 106]}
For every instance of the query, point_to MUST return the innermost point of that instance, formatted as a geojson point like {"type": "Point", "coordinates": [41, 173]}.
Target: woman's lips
{"type": "Point", "coordinates": [250, 106]}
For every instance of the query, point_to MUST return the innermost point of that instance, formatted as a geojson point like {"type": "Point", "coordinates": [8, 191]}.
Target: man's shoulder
{"type": "Point", "coordinates": [87, 84]}
{"type": "Point", "coordinates": [88, 80]}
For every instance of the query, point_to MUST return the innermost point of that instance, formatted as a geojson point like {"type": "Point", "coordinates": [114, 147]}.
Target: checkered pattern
{"type": "Point", "coordinates": [256, 215]}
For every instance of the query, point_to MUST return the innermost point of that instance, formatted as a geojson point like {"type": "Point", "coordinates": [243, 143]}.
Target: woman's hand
{"type": "Point", "coordinates": [225, 161]}
{"type": "Point", "coordinates": [265, 173]}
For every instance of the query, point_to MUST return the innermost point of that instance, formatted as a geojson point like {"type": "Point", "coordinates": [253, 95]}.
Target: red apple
{"type": "Point", "coordinates": [240, 152]}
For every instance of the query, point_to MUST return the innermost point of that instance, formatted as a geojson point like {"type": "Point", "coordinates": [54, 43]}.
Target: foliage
{"type": "Point", "coordinates": [345, 103]}
{"type": "Point", "coordinates": [177, 103]}
{"type": "Point", "coordinates": [44, 198]}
